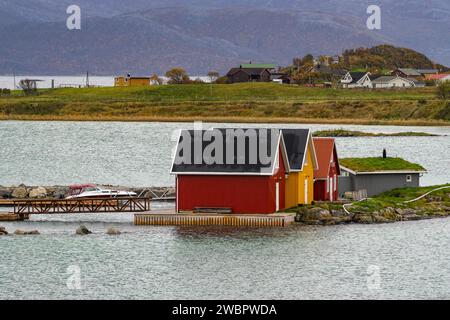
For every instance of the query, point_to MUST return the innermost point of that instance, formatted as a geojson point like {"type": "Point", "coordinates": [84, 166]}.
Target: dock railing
{"type": "Point", "coordinates": [91, 205]}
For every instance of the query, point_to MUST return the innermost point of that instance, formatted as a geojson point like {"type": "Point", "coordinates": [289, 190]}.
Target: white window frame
{"type": "Point", "coordinates": [408, 178]}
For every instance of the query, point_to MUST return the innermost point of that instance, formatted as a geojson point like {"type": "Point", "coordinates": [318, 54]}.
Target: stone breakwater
{"type": "Point", "coordinates": [60, 192]}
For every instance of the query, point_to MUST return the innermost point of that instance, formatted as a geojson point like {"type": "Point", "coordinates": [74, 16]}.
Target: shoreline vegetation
{"type": "Point", "coordinates": [245, 102]}
{"type": "Point", "coordinates": [342, 133]}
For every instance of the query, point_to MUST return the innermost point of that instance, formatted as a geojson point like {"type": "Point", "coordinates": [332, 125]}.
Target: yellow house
{"type": "Point", "coordinates": [131, 81]}
{"type": "Point", "coordinates": [302, 163]}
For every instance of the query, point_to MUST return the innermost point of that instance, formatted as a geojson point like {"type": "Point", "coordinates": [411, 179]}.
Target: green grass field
{"type": "Point", "coordinates": [249, 102]}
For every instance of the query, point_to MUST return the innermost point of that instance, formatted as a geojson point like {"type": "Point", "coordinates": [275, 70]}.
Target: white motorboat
{"type": "Point", "coordinates": [85, 191]}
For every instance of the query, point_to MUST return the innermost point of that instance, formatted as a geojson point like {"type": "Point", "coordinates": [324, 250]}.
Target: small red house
{"type": "Point", "coordinates": [205, 178]}
{"type": "Point", "coordinates": [326, 176]}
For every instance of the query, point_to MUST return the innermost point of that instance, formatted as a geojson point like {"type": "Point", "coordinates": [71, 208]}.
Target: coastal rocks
{"type": "Point", "coordinates": [59, 194]}
{"type": "Point", "coordinates": [20, 192]}
{"type": "Point", "coordinates": [113, 231]}
{"type": "Point", "coordinates": [321, 216]}
{"type": "Point", "coordinates": [5, 193]}
{"type": "Point", "coordinates": [3, 231]}
{"type": "Point", "coordinates": [82, 230]}
{"type": "Point", "coordinates": [38, 193]}
{"type": "Point", "coordinates": [363, 218]}
{"type": "Point", "coordinates": [26, 233]}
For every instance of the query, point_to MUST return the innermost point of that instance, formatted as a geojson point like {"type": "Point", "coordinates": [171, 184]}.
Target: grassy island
{"type": "Point", "coordinates": [348, 133]}
{"type": "Point", "coordinates": [245, 102]}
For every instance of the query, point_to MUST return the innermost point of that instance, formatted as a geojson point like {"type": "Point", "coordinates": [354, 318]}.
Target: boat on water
{"type": "Point", "coordinates": [86, 191]}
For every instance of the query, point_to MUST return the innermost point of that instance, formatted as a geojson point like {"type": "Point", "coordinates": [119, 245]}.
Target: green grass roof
{"type": "Point", "coordinates": [379, 164]}
{"type": "Point", "coordinates": [258, 65]}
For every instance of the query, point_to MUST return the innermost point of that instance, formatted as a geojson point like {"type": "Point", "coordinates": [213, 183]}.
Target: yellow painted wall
{"type": "Point", "coordinates": [306, 174]}
{"type": "Point", "coordinates": [295, 185]}
{"type": "Point", "coordinates": [132, 82]}
{"type": "Point", "coordinates": [119, 81]}
{"type": "Point", "coordinates": [291, 198]}
{"type": "Point", "coordinates": [137, 82]}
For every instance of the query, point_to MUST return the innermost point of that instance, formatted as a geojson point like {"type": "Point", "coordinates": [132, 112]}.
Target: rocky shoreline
{"type": "Point", "coordinates": [60, 192]}
{"type": "Point", "coordinates": [332, 215]}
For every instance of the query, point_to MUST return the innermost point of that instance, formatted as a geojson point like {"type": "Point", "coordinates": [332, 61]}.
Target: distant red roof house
{"type": "Point", "coordinates": [326, 176]}
{"type": "Point", "coordinates": [437, 77]}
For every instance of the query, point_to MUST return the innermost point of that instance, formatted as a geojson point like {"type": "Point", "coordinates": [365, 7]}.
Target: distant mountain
{"type": "Point", "coordinates": [144, 37]}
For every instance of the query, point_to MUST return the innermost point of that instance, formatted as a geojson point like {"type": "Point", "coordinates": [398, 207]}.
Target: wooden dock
{"type": "Point", "coordinates": [168, 218]}
{"type": "Point", "coordinates": [10, 216]}
{"type": "Point", "coordinates": [22, 208]}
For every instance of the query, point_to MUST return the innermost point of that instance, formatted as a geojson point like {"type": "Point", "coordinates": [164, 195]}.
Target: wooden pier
{"type": "Point", "coordinates": [201, 219]}
{"type": "Point", "coordinates": [23, 208]}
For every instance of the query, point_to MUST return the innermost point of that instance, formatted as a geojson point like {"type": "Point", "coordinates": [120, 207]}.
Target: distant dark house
{"type": "Point", "coordinates": [255, 72]}
{"type": "Point", "coordinates": [377, 175]}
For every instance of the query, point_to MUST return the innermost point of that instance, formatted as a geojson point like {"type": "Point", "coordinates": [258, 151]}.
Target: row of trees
{"type": "Point", "coordinates": [180, 76]}
{"type": "Point", "coordinates": [301, 71]}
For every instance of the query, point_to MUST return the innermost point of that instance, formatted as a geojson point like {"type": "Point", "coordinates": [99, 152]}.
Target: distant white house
{"type": "Point", "coordinates": [356, 80]}
{"type": "Point", "coordinates": [392, 82]}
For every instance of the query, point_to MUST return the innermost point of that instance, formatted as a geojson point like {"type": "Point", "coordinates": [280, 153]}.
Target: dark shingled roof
{"type": "Point", "coordinates": [295, 141]}
{"type": "Point", "coordinates": [356, 76]}
{"type": "Point", "coordinates": [246, 168]}
{"type": "Point", "coordinates": [249, 71]}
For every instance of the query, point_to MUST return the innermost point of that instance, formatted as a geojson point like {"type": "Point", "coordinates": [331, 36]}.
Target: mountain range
{"type": "Point", "coordinates": [144, 37]}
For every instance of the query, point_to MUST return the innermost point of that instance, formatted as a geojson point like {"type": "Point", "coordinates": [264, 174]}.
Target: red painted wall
{"type": "Point", "coordinates": [244, 193]}
{"type": "Point", "coordinates": [320, 186]}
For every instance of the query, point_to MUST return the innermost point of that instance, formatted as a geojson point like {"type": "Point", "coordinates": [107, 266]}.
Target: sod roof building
{"type": "Point", "coordinates": [377, 175]}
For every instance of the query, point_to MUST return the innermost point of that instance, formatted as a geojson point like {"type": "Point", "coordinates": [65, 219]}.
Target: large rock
{"type": "Point", "coordinates": [20, 192]}
{"type": "Point", "coordinates": [60, 193]}
{"type": "Point", "coordinates": [82, 230]}
{"type": "Point", "coordinates": [390, 214]}
{"type": "Point", "coordinates": [38, 193]}
{"type": "Point", "coordinates": [113, 231]}
{"type": "Point", "coordinates": [3, 231]}
{"type": "Point", "coordinates": [314, 216]}
{"type": "Point", "coordinates": [26, 233]}
{"type": "Point", "coordinates": [363, 218]}
{"type": "Point", "coordinates": [5, 193]}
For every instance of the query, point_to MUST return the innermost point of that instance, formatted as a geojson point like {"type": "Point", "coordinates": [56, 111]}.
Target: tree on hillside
{"type": "Point", "coordinates": [177, 76]}
{"type": "Point", "coordinates": [444, 90]}
{"type": "Point", "coordinates": [28, 86]}
{"type": "Point", "coordinates": [213, 76]}
{"type": "Point", "coordinates": [156, 80]}
{"type": "Point", "coordinates": [308, 59]}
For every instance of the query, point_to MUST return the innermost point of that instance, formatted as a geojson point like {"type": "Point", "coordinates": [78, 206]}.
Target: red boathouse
{"type": "Point", "coordinates": [206, 179]}
{"type": "Point", "coordinates": [326, 176]}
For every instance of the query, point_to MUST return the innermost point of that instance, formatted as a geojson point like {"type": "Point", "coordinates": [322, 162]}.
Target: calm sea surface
{"type": "Point", "coordinates": [401, 260]}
